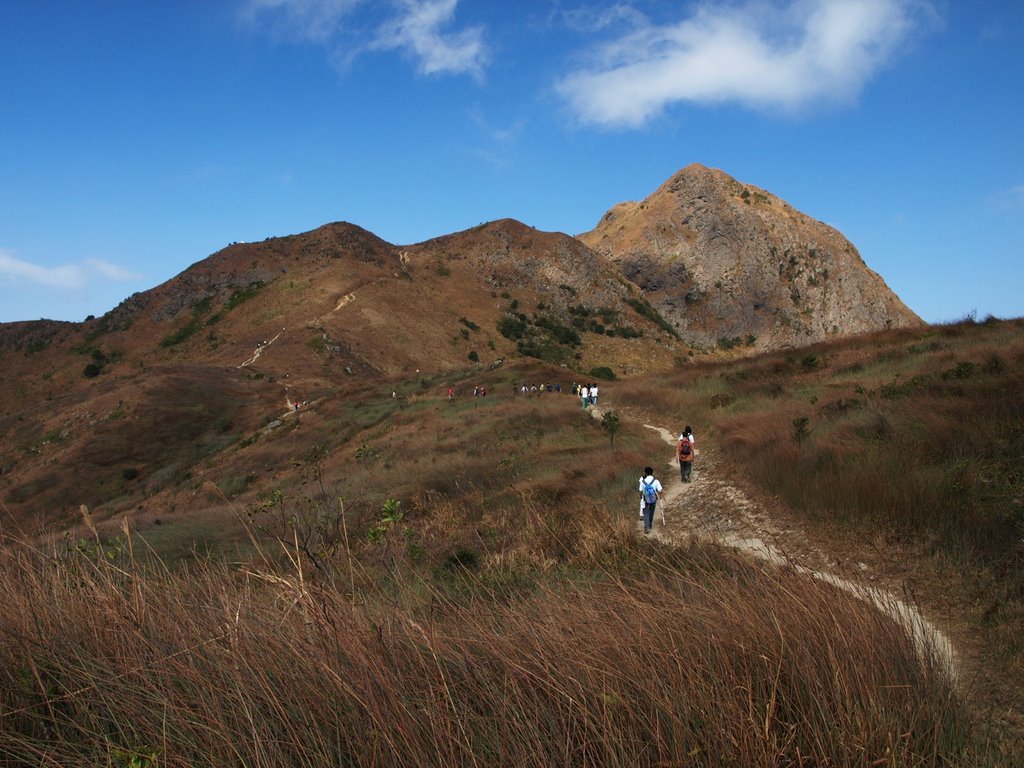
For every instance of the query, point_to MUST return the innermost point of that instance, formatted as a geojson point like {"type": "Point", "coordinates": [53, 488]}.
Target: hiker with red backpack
{"type": "Point", "coordinates": [684, 452]}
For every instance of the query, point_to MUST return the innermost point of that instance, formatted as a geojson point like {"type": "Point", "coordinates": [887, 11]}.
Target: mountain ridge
{"type": "Point", "coordinates": [313, 316]}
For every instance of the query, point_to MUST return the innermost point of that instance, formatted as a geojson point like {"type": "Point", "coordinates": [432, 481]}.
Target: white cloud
{"type": "Point", "coordinates": [314, 20]}
{"type": "Point", "coordinates": [420, 29]}
{"type": "Point", "coordinates": [111, 271]}
{"type": "Point", "coordinates": [594, 19]}
{"type": "Point", "coordinates": [762, 55]}
{"type": "Point", "coordinates": [68, 277]}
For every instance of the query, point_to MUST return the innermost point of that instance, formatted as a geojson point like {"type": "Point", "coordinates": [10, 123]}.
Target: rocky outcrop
{"type": "Point", "coordinates": [729, 264]}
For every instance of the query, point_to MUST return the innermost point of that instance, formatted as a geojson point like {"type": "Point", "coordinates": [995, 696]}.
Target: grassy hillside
{"type": "Point", "coordinates": [906, 447]}
{"type": "Point", "coordinates": [400, 579]}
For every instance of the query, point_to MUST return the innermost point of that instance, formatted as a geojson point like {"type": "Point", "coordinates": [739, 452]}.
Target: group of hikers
{"type": "Point", "coordinates": [586, 392]}
{"type": "Point", "coordinates": [651, 489]}
{"type": "Point", "coordinates": [477, 392]}
{"type": "Point", "coordinates": [535, 389]}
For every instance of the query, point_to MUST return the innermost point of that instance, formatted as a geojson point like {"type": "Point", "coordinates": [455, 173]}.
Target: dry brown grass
{"type": "Point", "coordinates": [692, 658]}
{"type": "Point", "coordinates": [914, 437]}
{"type": "Point", "coordinates": [508, 615]}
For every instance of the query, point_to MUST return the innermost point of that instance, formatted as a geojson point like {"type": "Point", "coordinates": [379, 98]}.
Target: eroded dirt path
{"type": "Point", "coordinates": [259, 350]}
{"type": "Point", "coordinates": [710, 508]}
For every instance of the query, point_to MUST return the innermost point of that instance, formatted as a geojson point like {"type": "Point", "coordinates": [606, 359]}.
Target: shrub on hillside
{"type": "Point", "coordinates": [512, 326]}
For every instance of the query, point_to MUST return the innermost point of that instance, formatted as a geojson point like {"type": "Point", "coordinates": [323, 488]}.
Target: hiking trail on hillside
{"type": "Point", "coordinates": [260, 348]}
{"type": "Point", "coordinates": [711, 509]}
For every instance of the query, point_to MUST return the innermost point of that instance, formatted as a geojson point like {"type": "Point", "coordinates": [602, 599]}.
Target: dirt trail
{"type": "Point", "coordinates": [260, 348]}
{"type": "Point", "coordinates": [709, 508]}
{"type": "Point", "coordinates": [344, 300]}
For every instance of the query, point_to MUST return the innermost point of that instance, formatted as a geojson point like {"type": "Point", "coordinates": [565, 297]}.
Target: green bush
{"type": "Point", "coordinates": [562, 334]}
{"type": "Point", "coordinates": [512, 326]}
{"type": "Point", "coordinates": [180, 335]}
{"type": "Point", "coordinates": [644, 309]}
{"type": "Point", "coordinates": [238, 297]}
{"type": "Point", "coordinates": [625, 332]}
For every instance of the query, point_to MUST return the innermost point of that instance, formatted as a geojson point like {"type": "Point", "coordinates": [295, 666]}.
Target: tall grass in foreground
{"type": "Point", "coordinates": [690, 658]}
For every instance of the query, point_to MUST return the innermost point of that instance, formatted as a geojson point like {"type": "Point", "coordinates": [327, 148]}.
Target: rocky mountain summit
{"type": "Point", "coordinates": [729, 264]}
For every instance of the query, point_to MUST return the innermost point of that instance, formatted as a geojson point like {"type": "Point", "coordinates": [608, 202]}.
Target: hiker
{"type": "Point", "coordinates": [584, 395]}
{"type": "Point", "coordinates": [451, 393]}
{"type": "Point", "coordinates": [593, 394]}
{"type": "Point", "coordinates": [650, 492]}
{"type": "Point", "coordinates": [684, 452]}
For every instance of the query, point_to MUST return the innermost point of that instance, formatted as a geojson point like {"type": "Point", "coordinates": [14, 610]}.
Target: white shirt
{"type": "Point", "coordinates": [650, 480]}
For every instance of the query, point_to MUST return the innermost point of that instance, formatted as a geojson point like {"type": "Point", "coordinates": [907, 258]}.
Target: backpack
{"type": "Point", "coordinates": [685, 449]}
{"type": "Point", "coordinates": [650, 494]}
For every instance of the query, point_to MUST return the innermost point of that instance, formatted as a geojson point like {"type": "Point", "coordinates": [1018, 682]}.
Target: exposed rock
{"type": "Point", "coordinates": [723, 260]}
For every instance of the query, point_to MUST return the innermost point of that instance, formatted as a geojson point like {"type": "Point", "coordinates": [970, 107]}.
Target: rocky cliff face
{"type": "Point", "coordinates": [733, 265]}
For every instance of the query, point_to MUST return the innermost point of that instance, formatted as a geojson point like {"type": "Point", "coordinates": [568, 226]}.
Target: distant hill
{"type": "Point", "coordinates": [729, 263]}
{"type": "Point", "coordinates": [137, 407]}
{"type": "Point", "coordinates": [142, 402]}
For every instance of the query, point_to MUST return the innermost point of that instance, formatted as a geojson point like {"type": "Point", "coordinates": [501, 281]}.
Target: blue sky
{"type": "Point", "coordinates": [137, 138]}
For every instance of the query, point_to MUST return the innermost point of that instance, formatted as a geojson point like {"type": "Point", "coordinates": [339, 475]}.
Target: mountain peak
{"type": "Point", "coordinates": [725, 260]}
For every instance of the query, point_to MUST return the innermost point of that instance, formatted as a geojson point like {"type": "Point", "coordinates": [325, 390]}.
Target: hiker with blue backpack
{"type": "Point", "coordinates": [650, 492]}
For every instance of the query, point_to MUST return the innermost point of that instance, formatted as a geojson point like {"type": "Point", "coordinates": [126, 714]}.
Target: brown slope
{"type": "Point", "coordinates": [722, 260]}
{"type": "Point", "coordinates": [124, 439]}
{"type": "Point", "coordinates": [183, 374]}
{"type": "Point", "coordinates": [549, 279]}
{"type": "Point", "coordinates": [176, 379]}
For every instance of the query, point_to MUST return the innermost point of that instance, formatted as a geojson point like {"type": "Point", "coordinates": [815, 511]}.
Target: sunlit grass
{"type": "Point", "coordinates": [458, 583]}
{"type": "Point", "coordinates": [635, 655]}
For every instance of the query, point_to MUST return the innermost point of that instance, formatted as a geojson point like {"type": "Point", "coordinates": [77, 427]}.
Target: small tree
{"type": "Point", "coordinates": [610, 424]}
